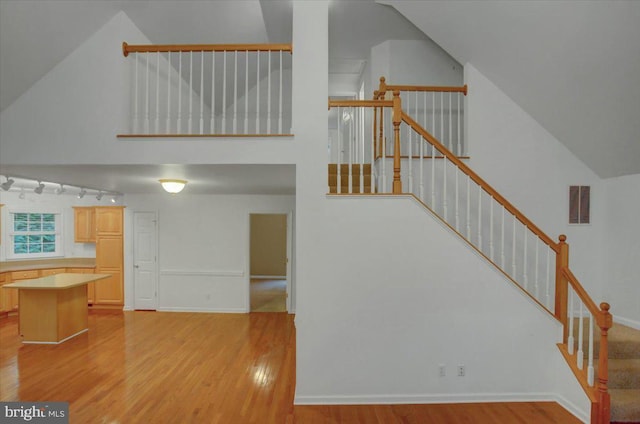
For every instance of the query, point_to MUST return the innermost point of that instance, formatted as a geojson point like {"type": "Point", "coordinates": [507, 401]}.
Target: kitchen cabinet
{"type": "Point", "coordinates": [84, 224]}
{"type": "Point", "coordinates": [91, 290]}
{"type": "Point", "coordinates": [53, 271]}
{"type": "Point", "coordinates": [109, 255]}
{"type": "Point", "coordinates": [1, 205]}
{"type": "Point", "coordinates": [10, 302]}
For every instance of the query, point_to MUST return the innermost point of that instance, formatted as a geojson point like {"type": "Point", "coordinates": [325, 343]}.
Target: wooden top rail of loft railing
{"type": "Point", "coordinates": [426, 88]}
{"type": "Point", "coordinates": [360, 103]}
{"type": "Point", "coordinates": [482, 183]}
{"type": "Point", "coordinates": [151, 48]}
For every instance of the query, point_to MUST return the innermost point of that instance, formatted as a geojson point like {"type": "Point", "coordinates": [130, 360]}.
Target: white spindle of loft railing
{"type": "Point", "coordinates": [480, 217]}
{"type": "Point", "coordinates": [136, 122]}
{"type": "Point", "coordinates": [468, 208]}
{"type": "Point", "coordinates": [458, 152]}
{"type": "Point", "coordinates": [338, 171]}
{"type": "Point", "coordinates": [525, 269]}
{"type": "Point", "coordinates": [450, 121]}
{"type": "Point", "coordinates": [421, 141]}
{"type": "Point", "coordinates": [514, 270]}
{"type": "Point", "coordinates": [269, 93]}
{"type": "Point", "coordinates": [457, 172]}
{"type": "Point", "coordinates": [179, 118]}
{"type": "Point", "coordinates": [246, 92]}
{"type": "Point", "coordinates": [580, 354]}
{"type": "Point", "coordinates": [224, 92]}
{"type": "Point", "coordinates": [258, 93]}
{"type": "Point", "coordinates": [444, 187]}
{"type": "Point", "coordinates": [374, 177]}
{"type": "Point", "coordinates": [502, 240]}
{"type": "Point", "coordinates": [433, 115]}
{"type": "Point", "coordinates": [202, 92]}
{"type": "Point", "coordinates": [146, 101]}
{"type": "Point", "coordinates": [410, 159]}
{"type": "Point", "coordinates": [570, 339]}
{"type": "Point", "coordinates": [212, 125]}
{"type": "Point", "coordinates": [383, 117]}
{"type": "Point", "coordinates": [190, 121]}
{"type": "Point", "coordinates": [536, 286]}
{"type": "Point", "coordinates": [590, 379]}
{"type": "Point", "coordinates": [280, 99]}
{"type": "Point", "coordinates": [157, 121]}
{"type": "Point", "coordinates": [235, 92]}
{"type": "Point", "coordinates": [168, 122]}
{"type": "Point", "coordinates": [350, 152]}
{"type": "Point", "coordinates": [360, 115]}
{"type": "Point", "coordinates": [491, 228]}
{"type": "Point", "coordinates": [548, 283]}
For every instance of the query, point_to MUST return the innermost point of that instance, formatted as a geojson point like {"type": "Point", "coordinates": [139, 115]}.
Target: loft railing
{"type": "Point", "coordinates": [209, 90]}
{"type": "Point", "coordinates": [435, 175]}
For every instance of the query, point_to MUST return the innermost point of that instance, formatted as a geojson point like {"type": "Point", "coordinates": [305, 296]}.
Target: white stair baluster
{"type": "Point", "coordinates": [421, 141]}
{"type": "Point", "coordinates": [269, 93]}
{"type": "Point", "coordinates": [468, 208]}
{"type": "Point", "coordinates": [224, 92]}
{"type": "Point", "coordinates": [480, 217]}
{"type": "Point", "coordinates": [441, 118]}
{"type": "Point", "coordinates": [502, 241]}
{"type": "Point", "coordinates": [433, 178]}
{"type": "Point", "coordinates": [514, 273]}
{"type": "Point", "coordinates": [179, 119]}
{"type": "Point", "coordinates": [212, 125]}
{"type": "Point", "coordinates": [410, 159]}
{"type": "Point", "coordinates": [491, 228]}
{"type": "Point", "coordinates": [458, 152]}
{"type": "Point", "coordinates": [536, 282]}
{"type": "Point", "coordinates": [547, 289]}
{"type": "Point", "coordinates": [246, 92]}
{"type": "Point", "coordinates": [525, 269]}
{"type": "Point", "coordinates": [280, 99]}
{"type": "Point", "coordinates": [235, 92]}
{"type": "Point", "coordinates": [350, 152]}
{"type": "Point", "coordinates": [590, 376]}
{"type": "Point", "coordinates": [190, 92]}
{"type": "Point", "coordinates": [444, 188]}
{"type": "Point", "coordinates": [146, 102]}
{"type": "Point", "coordinates": [135, 97]}
{"type": "Point", "coordinates": [570, 339]}
{"type": "Point", "coordinates": [450, 146]}
{"type": "Point", "coordinates": [168, 121]}
{"type": "Point", "coordinates": [580, 354]}
{"type": "Point", "coordinates": [202, 92]}
{"type": "Point", "coordinates": [157, 122]}
{"type": "Point", "coordinates": [258, 93]}
{"type": "Point", "coordinates": [457, 172]}
{"type": "Point", "coordinates": [339, 174]}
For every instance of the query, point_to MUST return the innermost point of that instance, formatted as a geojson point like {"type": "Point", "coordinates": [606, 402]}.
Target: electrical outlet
{"type": "Point", "coordinates": [442, 371]}
{"type": "Point", "coordinates": [461, 371]}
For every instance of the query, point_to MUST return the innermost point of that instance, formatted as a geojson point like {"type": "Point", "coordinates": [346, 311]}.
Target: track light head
{"type": "Point", "coordinates": [7, 184]}
{"type": "Point", "coordinates": [99, 196]}
{"type": "Point", "coordinates": [82, 193]}
{"type": "Point", "coordinates": [39, 188]}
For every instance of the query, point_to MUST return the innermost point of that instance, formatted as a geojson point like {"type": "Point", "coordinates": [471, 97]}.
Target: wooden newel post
{"type": "Point", "coordinates": [605, 322]}
{"type": "Point", "coordinates": [397, 119]}
{"type": "Point", "coordinates": [382, 91]}
{"type": "Point", "coordinates": [562, 261]}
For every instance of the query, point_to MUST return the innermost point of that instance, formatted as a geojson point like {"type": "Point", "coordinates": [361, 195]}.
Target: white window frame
{"type": "Point", "coordinates": [11, 233]}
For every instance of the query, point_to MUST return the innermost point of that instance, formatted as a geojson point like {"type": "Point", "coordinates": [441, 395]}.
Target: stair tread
{"type": "Point", "coordinates": [625, 406]}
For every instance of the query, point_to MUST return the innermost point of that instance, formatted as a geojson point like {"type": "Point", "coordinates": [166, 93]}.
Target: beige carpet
{"type": "Point", "coordinates": [268, 295]}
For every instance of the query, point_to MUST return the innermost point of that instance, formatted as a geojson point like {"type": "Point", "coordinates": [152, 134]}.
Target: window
{"type": "Point", "coordinates": [579, 204]}
{"type": "Point", "coordinates": [35, 234]}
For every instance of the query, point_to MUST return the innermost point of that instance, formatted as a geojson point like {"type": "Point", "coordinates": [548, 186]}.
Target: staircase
{"type": "Point", "coordinates": [624, 374]}
{"type": "Point", "coordinates": [355, 178]}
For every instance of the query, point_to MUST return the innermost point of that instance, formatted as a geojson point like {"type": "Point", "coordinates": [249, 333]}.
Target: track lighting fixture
{"type": "Point", "coordinates": [21, 195]}
{"type": "Point", "coordinates": [113, 199]}
{"type": "Point", "coordinates": [60, 189]}
{"type": "Point", "coordinates": [39, 188]}
{"type": "Point", "coordinates": [7, 184]}
{"type": "Point", "coordinates": [99, 196]}
{"type": "Point", "coordinates": [82, 193]}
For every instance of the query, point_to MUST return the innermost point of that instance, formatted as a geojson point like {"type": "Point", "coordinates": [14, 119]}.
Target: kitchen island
{"type": "Point", "coordinates": [53, 309]}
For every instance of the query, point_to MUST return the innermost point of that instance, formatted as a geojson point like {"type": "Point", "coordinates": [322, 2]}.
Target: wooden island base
{"type": "Point", "coordinates": [53, 309]}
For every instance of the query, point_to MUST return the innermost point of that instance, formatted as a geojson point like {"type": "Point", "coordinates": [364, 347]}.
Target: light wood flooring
{"type": "Point", "coordinates": [154, 367]}
{"type": "Point", "coordinates": [268, 295]}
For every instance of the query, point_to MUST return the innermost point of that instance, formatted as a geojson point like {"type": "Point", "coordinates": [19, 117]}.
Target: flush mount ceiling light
{"type": "Point", "coordinates": [82, 193]}
{"type": "Point", "coordinates": [39, 188]}
{"type": "Point", "coordinates": [7, 184]}
{"type": "Point", "coordinates": [173, 186]}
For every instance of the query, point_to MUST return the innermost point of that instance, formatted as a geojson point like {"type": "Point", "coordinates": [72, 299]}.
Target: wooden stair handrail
{"type": "Point", "coordinates": [424, 88]}
{"type": "Point", "coordinates": [360, 103]}
{"type": "Point", "coordinates": [475, 177]}
{"type": "Point", "coordinates": [155, 48]}
{"type": "Point", "coordinates": [584, 296]}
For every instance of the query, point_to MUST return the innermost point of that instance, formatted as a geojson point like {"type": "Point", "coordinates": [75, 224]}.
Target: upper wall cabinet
{"type": "Point", "coordinates": [84, 224]}
{"type": "Point", "coordinates": [108, 220]}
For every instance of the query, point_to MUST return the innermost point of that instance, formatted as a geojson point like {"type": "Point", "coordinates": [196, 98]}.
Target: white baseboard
{"type": "Point", "coordinates": [628, 322]}
{"type": "Point", "coordinates": [204, 310]}
{"type": "Point", "coordinates": [441, 398]}
{"type": "Point", "coordinates": [270, 277]}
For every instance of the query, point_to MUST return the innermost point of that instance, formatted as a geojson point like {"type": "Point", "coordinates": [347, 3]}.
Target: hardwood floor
{"type": "Point", "coordinates": [268, 295]}
{"type": "Point", "coordinates": [143, 367]}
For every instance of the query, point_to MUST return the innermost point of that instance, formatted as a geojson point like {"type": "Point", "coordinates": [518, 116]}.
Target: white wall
{"type": "Point", "coordinates": [203, 248]}
{"type": "Point", "coordinates": [533, 170]}
{"type": "Point", "coordinates": [50, 202]}
{"type": "Point", "coordinates": [412, 296]}
{"type": "Point", "coordinates": [622, 271]}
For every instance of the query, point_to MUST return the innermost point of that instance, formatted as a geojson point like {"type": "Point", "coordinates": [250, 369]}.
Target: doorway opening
{"type": "Point", "coordinates": [268, 288]}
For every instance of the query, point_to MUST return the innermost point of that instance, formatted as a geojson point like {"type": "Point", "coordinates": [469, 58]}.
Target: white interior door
{"type": "Point", "coordinates": [145, 272]}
